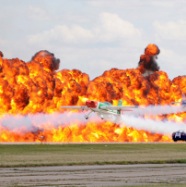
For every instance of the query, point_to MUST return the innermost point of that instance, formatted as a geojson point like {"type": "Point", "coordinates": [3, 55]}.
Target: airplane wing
{"type": "Point", "coordinates": [124, 108]}
{"type": "Point", "coordinates": [75, 107]}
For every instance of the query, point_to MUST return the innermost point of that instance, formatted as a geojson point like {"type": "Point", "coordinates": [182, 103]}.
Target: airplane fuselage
{"type": "Point", "coordinates": [104, 113]}
{"type": "Point", "coordinates": [99, 108]}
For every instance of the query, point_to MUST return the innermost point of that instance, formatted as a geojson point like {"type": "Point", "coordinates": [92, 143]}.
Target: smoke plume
{"type": "Point", "coordinates": [160, 127]}
{"type": "Point", "coordinates": [147, 63]}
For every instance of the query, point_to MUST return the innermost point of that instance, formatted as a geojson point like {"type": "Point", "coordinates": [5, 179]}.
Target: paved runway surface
{"type": "Point", "coordinates": [96, 175]}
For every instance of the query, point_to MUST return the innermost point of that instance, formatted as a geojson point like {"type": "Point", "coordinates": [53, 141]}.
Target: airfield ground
{"type": "Point", "coordinates": [151, 164]}
{"type": "Point", "coordinates": [96, 175]}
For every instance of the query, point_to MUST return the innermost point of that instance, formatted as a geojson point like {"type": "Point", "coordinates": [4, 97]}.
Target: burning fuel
{"type": "Point", "coordinates": [53, 127]}
{"type": "Point", "coordinates": [31, 94]}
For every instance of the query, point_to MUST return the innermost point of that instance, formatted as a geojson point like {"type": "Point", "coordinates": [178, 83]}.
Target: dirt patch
{"type": "Point", "coordinates": [89, 176]}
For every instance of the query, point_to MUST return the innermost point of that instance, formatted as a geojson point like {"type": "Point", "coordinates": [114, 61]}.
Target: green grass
{"type": "Point", "coordinates": [16, 155]}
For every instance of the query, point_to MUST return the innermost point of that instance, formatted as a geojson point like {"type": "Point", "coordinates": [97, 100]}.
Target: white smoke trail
{"type": "Point", "coordinates": [157, 110]}
{"type": "Point", "coordinates": [41, 121]}
{"type": "Point", "coordinates": [33, 122]}
{"type": "Point", "coordinates": [160, 127]}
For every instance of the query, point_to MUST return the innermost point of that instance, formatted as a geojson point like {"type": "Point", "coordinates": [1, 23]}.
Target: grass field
{"type": "Point", "coordinates": [15, 155]}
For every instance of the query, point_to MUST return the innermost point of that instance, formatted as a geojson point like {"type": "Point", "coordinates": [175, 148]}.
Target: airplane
{"type": "Point", "coordinates": [103, 109]}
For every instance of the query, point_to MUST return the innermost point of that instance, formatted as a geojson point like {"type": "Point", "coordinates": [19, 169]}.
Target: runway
{"type": "Point", "coordinates": [94, 175]}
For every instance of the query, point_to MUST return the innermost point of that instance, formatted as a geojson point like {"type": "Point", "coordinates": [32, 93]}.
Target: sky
{"type": "Point", "coordinates": [96, 35]}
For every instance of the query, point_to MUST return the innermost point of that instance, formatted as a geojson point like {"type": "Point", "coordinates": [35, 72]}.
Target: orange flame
{"type": "Point", "coordinates": [152, 49]}
{"type": "Point", "coordinates": [35, 87]}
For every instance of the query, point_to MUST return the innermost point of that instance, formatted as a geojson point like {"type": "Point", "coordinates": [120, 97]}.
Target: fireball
{"type": "Point", "coordinates": [31, 94]}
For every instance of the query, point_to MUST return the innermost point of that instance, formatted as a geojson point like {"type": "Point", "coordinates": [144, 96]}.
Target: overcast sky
{"type": "Point", "coordinates": [96, 35]}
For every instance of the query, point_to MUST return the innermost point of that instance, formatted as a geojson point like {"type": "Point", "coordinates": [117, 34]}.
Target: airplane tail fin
{"type": "Point", "coordinates": [120, 102]}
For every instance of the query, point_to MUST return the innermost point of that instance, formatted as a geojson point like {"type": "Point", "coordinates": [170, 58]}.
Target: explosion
{"type": "Point", "coordinates": [31, 94]}
{"type": "Point", "coordinates": [147, 63]}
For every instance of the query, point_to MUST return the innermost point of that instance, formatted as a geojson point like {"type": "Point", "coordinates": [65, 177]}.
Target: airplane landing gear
{"type": "Point", "coordinates": [102, 117]}
{"type": "Point", "coordinates": [87, 116]}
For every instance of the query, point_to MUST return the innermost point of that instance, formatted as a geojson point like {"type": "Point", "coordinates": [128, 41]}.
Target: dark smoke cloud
{"type": "Point", "coordinates": [1, 54]}
{"type": "Point", "coordinates": [47, 59]}
{"type": "Point", "coordinates": [147, 62]}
